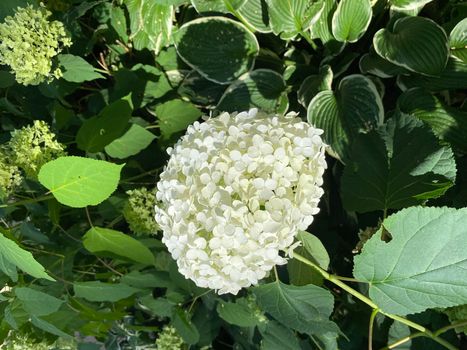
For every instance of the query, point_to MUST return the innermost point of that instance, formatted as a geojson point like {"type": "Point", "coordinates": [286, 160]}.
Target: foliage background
{"type": "Point", "coordinates": [385, 80]}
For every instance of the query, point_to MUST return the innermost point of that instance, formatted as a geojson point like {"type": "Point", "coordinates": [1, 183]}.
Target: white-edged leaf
{"type": "Point", "coordinates": [101, 240]}
{"type": "Point", "coordinates": [132, 142]}
{"type": "Point", "coordinates": [372, 63]}
{"type": "Point", "coordinates": [351, 20]}
{"type": "Point", "coordinates": [356, 106]}
{"type": "Point", "coordinates": [404, 281]}
{"type": "Point", "coordinates": [224, 6]}
{"type": "Point", "coordinates": [409, 4]}
{"type": "Point", "coordinates": [458, 40]}
{"type": "Point", "coordinates": [314, 84]}
{"type": "Point", "coordinates": [78, 181]}
{"type": "Point", "coordinates": [76, 70]}
{"type": "Point", "coordinates": [100, 291]}
{"type": "Point", "coordinates": [219, 48]}
{"type": "Point", "coordinates": [415, 43]}
{"type": "Point", "coordinates": [256, 14]}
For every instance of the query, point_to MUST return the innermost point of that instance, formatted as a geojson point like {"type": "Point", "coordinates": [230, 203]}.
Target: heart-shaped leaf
{"type": "Point", "coordinates": [314, 84]}
{"type": "Point", "coordinates": [351, 20]}
{"type": "Point", "coordinates": [415, 43]}
{"type": "Point", "coordinates": [356, 106]}
{"type": "Point", "coordinates": [219, 48]}
{"type": "Point", "coordinates": [458, 40]}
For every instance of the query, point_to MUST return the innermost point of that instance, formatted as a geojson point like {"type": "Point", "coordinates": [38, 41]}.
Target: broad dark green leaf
{"type": "Point", "coordinates": [111, 123]}
{"type": "Point", "coordinates": [292, 17]}
{"type": "Point", "coordinates": [448, 123]}
{"type": "Point", "coordinates": [185, 327]}
{"type": "Point", "coordinates": [404, 281]}
{"type": "Point", "coordinates": [415, 43]}
{"type": "Point", "coordinates": [49, 327]}
{"type": "Point", "coordinates": [78, 181]}
{"type": "Point", "coordinates": [356, 106]}
{"type": "Point", "coordinates": [278, 337]}
{"type": "Point", "coordinates": [238, 313]}
{"type": "Point", "coordinates": [351, 20]}
{"type": "Point", "coordinates": [37, 303]}
{"type": "Point", "coordinates": [261, 88]}
{"type": "Point", "coordinates": [175, 116]}
{"type": "Point", "coordinates": [75, 69]}
{"type": "Point", "coordinates": [200, 90]}
{"type": "Point", "coordinates": [150, 24]}
{"type": "Point", "coordinates": [305, 308]}
{"type": "Point", "coordinates": [219, 48]}
{"type": "Point", "coordinates": [100, 291]}
{"type": "Point", "coordinates": [132, 142]}
{"type": "Point", "coordinates": [12, 256]}
{"type": "Point", "coordinates": [160, 306]}
{"type": "Point", "coordinates": [407, 163]}
{"type": "Point", "coordinates": [100, 240]}
{"type": "Point", "coordinates": [314, 84]}
{"type": "Point", "coordinates": [372, 63]}
{"type": "Point", "coordinates": [458, 40]}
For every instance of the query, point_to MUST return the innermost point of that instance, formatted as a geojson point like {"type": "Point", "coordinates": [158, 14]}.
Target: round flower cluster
{"type": "Point", "coordinates": [138, 211]}
{"type": "Point", "coordinates": [10, 176]}
{"type": "Point", "coordinates": [28, 42]}
{"type": "Point", "coordinates": [169, 339]}
{"type": "Point", "coordinates": [32, 146]}
{"type": "Point", "coordinates": [234, 193]}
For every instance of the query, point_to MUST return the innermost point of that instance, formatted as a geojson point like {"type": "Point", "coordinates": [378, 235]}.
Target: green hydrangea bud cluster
{"type": "Point", "coordinates": [10, 176]}
{"type": "Point", "coordinates": [457, 314]}
{"type": "Point", "coordinates": [139, 211]}
{"type": "Point", "coordinates": [32, 146]}
{"type": "Point", "coordinates": [28, 42]}
{"type": "Point", "coordinates": [20, 341]}
{"type": "Point", "coordinates": [169, 339]}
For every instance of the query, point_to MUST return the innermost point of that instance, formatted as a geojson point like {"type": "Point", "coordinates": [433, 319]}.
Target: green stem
{"type": "Point", "coordinates": [370, 328]}
{"type": "Point", "coordinates": [369, 302]}
{"type": "Point", "coordinates": [27, 201]}
{"type": "Point", "coordinates": [310, 41]}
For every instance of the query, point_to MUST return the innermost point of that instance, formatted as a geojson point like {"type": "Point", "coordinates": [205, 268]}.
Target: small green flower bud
{"type": "Point", "coordinates": [169, 339]}
{"type": "Point", "coordinates": [139, 211]}
{"type": "Point", "coordinates": [10, 176]}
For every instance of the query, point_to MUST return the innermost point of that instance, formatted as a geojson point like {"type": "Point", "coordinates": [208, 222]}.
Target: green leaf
{"type": "Point", "coordinates": [314, 248]}
{"type": "Point", "coordinates": [458, 40]}
{"type": "Point", "coordinates": [398, 331]}
{"type": "Point", "coordinates": [293, 17]}
{"type": "Point", "coordinates": [351, 20]}
{"type": "Point", "coordinates": [200, 90]}
{"type": "Point", "coordinates": [98, 240]}
{"type": "Point", "coordinates": [159, 307]}
{"type": "Point", "coordinates": [37, 303]}
{"type": "Point", "coordinates": [305, 309]}
{"type": "Point", "coordinates": [238, 313]}
{"type": "Point", "coordinates": [322, 29]}
{"type": "Point", "coordinates": [372, 63]}
{"type": "Point", "coordinates": [454, 76]}
{"type": "Point", "coordinates": [185, 327]}
{"type": "Point", "coordinates": [155, 279]}
{"type": "Point", "coordinates": [49, 327]}
{"type": "Point", "coordinates": [131, 143]}
{"type": "Point", "coordinates": [356, 106]}
{"type": "Point", "coordinates": [407, 164]}
{"type": "Point", "coordinates": [415, 43]}
{"type": "Point", "coordinates": [278, 337]}
{"type": "Point", "coordinates": [150, 24]}
{"type": "Point", "coordinates": [111, 123]}
{"type": "Point", "coordinates": [448, 123]}
{"type": "Point", "coordinates": [219, 48]}
{"type": "Point", "coordinates": [409, 4]}
{"type": "Point", "coordinates": [12, 256]}
{"type": "Point", "coordinates": [256, 14]}
{"type": "Point", "coordinates": [404, 281]}
{"type": "Point", "coordinates": [261, 88]}
{"type": "Point", "coordinates": [6, 79]}
{"type": "Point", "coordinates": [175, 116]}
{"type": "Point", "coordinates": [79, 182]}
{"type": "Point", "coordinates": [224, 6]}
{"type": "Point", "coordinates": [314, 84]}
{"type": "Point", "coordinates": [100, 291]}
{"type": "Point", "coordinates": [76, 70]}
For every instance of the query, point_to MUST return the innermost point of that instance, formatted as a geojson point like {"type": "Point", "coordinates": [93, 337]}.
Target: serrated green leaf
{"type": "Point", "coordinates": [79, 182]}
{"type": "Point", "coordinates": [111, 123]}
{"type": "Point", "coordinates": [100, 240]}
{"type": "Point", "coordinates": [131, 143]}
{"type": "Point", "coordinates": [408, 166]}
{"type": "Point", "coordinates": [150, 24]}
{"type": "Point", "coordinates": [261, 88]}
{"type": "Point", "coordinates": [12, 256]}
{"type": "Point", "coordinates": [160, 306]}
{"type": "Point", "coordinates": [219, 48]}
{"type": "Point", "coordinates": [278, 337]}
{"type": "Point", "coordinates": [415, 43]}
{"type": "Point", "coordinates": [305, 308]}
{"type": "Point", "coordinates": [351, 20]}
{"type": "Point", "coordinates": [291, 17]}
{"type": "Point", "coordinates": [409, 4]}
{"type": "Point", "coordinates": [314, 84]}
{"type": "Point", "coordinates": [356, 106]}
{"type": "Point", "coordinates": [100, 291]}
{"type": "Point", "coordinates": [37, 303]}
{"type": "Point", "coordinates": [185, 327]}
{"type": "Point", "coordinates": [238, 313]}
{"type": "Point", "coordinates": [399, 331]}
{"type": "Point", "coordinates": [76, 70]}
{"type": "Point", "coordinates": [175, 116]}
{"type": "Point", "coordinates": [403, 281]}
{"type": "Point", "coordinates": [49, 327]}
{"type": "Point", "coordinates": [448, 123]}
{"type": "Point", "coordinates": [458, 40]}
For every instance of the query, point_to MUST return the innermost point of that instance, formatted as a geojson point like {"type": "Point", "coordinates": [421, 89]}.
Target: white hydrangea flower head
{"type": "Point", "coordinates": [235, 192]}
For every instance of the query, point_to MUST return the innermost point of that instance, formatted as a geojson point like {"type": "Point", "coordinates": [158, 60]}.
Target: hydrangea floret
{"type": "Point", "coordinates": [139, 211]}
{"type": "Point", "coordinates": [29, 42]}
{"type": "Point", "coordinates": [236, 190]}
{"type": "Point", "coordinates": [10, 176]}
{"type": "Point", "coordinates": [32, 146]}
{"type": "Point", "coordinates": [169, 339]}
